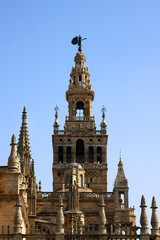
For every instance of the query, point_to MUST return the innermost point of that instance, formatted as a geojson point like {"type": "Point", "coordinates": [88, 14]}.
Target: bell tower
{"type": "Point", "coordinates": [80, 142]}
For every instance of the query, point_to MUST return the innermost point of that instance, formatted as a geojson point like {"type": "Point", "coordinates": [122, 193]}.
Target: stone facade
{"type": "Point", "coordinates": [79, 204]}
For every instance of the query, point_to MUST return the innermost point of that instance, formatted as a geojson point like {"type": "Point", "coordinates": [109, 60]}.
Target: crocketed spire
{"type": "Point", "coordinates": [102, 216]}
{"type": "Point", "coordinates": [23, 145]}
{"type": "Point", "coordinates": [120, 180]}
{"type": "Point", "coordinates": [154, 218]}
{"type": "Point", "coordinates": [143, 218]}
{"type": "Point", "coordinates": [60, 217]}
{"type": "Point", "coordinates": [13, 160]}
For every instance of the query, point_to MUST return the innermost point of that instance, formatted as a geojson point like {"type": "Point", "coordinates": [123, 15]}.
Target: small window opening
{"type": "Point", "coordinates": [99, 155]}
{"type": "Point", "coordinates": [60, 155]}
{"type": "Point", "coordinates": [79, 109]}
{"type": "Point", "coordinates": [91, 154]}
{"type": "Point", "coordinates": [80, 80]}
{"type": "Point", "coordinates": [68, 154]}
{"type": "Point", "coordinates": [121, 196]}
{"type": "Point", "coordinates": [90, 179]}
{"type": "Point", "coordinates": [80, 151]}
{"type": "Point", "coordinates": [67, 181]}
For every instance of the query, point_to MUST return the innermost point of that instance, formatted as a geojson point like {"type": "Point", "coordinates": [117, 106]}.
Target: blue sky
{"type": "Point", "coordinates": [123, 56]}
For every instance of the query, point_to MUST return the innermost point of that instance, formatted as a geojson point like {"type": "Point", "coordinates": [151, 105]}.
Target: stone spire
{"type": "Point", "coordinates": [13, 160]}
{"type": "Point", "coordinates": [120, 180]}
{"type": "Point", "coordinates": [143, 218]}
{"type": "Point", "coordinates": [18, 216]}
{"type": "Point", "coordinates": [60, 217]}
{"type": "Point", "coordinates": [102, 217]}
{"type": "Point", "coordinates": [23, 145]}
{"type": "Point", "coordinates": [154, 218]}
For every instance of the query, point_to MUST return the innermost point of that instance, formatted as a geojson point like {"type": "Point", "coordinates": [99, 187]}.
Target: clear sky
{"type": "Point", "coordinates": [123, 56]}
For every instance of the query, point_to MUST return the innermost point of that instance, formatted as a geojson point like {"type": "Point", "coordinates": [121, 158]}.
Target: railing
{"type": "Point", "coordinates": [82, 195]}
{"type": "Point", "coordinates": [90, 231]}
{"type": "Point", "coordinates": [70, 132]}
{"type": "Point", "coordinates": [80, 118]}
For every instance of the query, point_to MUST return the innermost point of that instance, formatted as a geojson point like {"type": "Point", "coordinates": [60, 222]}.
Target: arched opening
{"type": "Point", "coordinates": [80, 151]}
{"type": "Point", "coordinates": [68, 154]}
{"type": "Point", "coordinates": [80, 80]}
{"type": "Point", "coordinates": [60, 154]}
{"type": "Point", "coordinates": [99, 155]}
{"type": "Point", "coordinates": [79, 109]}
{"type": "Point", "coordinates": [91, 154]}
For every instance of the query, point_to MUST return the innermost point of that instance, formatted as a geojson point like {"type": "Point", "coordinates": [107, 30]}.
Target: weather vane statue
{"type": "Point", "coordinates": [77, 41]}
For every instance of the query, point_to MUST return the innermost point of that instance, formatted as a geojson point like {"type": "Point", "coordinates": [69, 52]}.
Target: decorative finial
{"type": "Point", "coordinates": [60, 217]}
{"type": "Point", "coordinates": [56, 111]}
{"type": "Point", "coordinates": [154, 218]}
{"type": "Point", "coordinates": [103, 110]}
{"type": "Point", "coordinates": [77, 41]}
{"type": "Point", "coordinates": [13, 160]}
{"type": "Point", "coordinates": [143, 218]}
{"type": "Point", "coordinates": [102, 216]}
{"type": "Point", "coordinates": [18, 216]}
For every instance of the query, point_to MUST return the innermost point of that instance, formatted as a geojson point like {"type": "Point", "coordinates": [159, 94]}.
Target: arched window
{"type": "Point", "coordinates": [79, 109]}
{"type": "Point", "coordinates": [68, 154]}
{"type": "Point", "coordinates": [80, 151]}
{"type": "Point", "coordinates": [99, 155]}
{"type": "Point", "coordinates": [60, 154]}
{"type": "Point", "coordinates": [91, 154]}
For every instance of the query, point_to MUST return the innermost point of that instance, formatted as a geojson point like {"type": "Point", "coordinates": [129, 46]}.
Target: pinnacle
{"type": "Point", "coordinates": [143, 202]}
{"type": "Point", "coordinates": [154, 205]}
{"type": "Point", "coordinates": [13, 140]}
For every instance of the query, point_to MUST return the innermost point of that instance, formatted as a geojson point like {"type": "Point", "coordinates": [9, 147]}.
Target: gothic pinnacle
{"type": "Point", "coordinates": [154, 218]}
{"type": "Point", "coordinates": [13, 160]}
{"type": "Point", "coordinates": [23, 147]}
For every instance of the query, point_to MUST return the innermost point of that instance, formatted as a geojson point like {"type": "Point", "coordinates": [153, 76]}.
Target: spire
{"type": "Point", "coordinates": [143, 218]}
{"type": "Point", "coordinates": [13, 160]}
{"type": "Point", "coordinates": [120, 180]}
{"type": "Point", "coordinates": [154, 218]}
{"type": "Point", "coordinates": [18, 216]}
{"type": "Point", "coordinates": [23, 144]}
{"type": "Point", "coordinates": [102, 216]}
{"type": "Point", "coordinates": [60, 217]}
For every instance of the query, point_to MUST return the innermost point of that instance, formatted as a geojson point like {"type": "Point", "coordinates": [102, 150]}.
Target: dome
{"type": "Point", "coordinates": [74, 165]}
